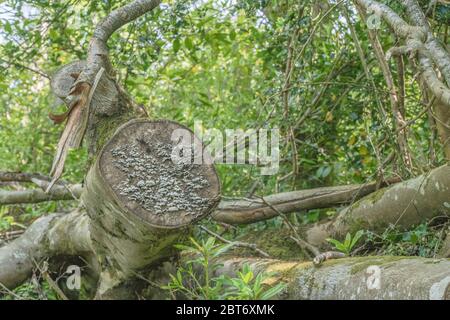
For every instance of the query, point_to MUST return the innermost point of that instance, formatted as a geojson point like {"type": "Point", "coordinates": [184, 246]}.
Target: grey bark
{"type": "Point", "coordinates": [417, 39]}
{"type": "Point", "coordinates": [130, 228]}
{"type": "Point", "coordinates": [403, 205]}
{"type": "Point", "coordinates": [59, 192]}
{"type": "Point", "coordinates": [245, 211]}
{"type": "Point", "coordinates": [49, 236]}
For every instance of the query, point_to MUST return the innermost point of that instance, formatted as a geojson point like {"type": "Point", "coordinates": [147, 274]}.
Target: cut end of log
{"type": "Point", "coordinates": [137, 165]}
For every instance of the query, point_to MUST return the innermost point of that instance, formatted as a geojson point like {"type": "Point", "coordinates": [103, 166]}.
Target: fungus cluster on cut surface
{"type": "Point", "coordinates": [154, 181]}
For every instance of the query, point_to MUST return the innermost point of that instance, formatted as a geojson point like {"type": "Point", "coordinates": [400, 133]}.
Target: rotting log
{"type": "Point", "coordinates": [402, 205]}
{"type": "Point", "coordinates": [362, 278]}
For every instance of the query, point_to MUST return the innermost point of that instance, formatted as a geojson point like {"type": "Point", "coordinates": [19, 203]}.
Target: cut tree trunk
{"type": "Point", "coordinates": [140, 202]}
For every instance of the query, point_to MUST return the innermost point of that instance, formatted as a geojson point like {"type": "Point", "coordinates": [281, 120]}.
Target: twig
{"type": "Point", "coordinates": [51, 283]}
{"type": "Point", "coordinates": [10, 235]}
{"type": "Point", "coordinates": [329, 255]}
{"type": "Point", "coordinates": [304, 245]}
{"type": "Point", "coordinates": [10, 292]}
{"type": "Point", "coordinates": [236, 243]}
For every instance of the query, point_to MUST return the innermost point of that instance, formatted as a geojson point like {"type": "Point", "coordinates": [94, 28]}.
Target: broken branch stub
{"type": "Point", "coordinates": [63, 79]}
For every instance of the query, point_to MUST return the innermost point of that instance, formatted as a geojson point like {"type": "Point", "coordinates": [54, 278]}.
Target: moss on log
{"type": "Point", "coordinates": [362, 278]}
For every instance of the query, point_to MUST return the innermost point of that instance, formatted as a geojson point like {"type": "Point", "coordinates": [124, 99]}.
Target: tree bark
{"type": "Point", "coordinates": [403, 205]}
{"type": "Point", "coordinates": [245, 211]}
{"type": "Point", "coordinates": [52, 235]}
{"type": "Point", "coordinates": [140, 203]}
{"type": "Point", "coordinates": [400, 278]}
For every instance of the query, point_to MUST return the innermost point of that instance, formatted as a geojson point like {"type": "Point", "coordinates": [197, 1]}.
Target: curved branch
{"type": "Point", "coordinates": [400, 26]}
{"type": "Point", "coordinates": [98, 51]}
{"type": "Point", "coordinates": [440, 56]}
{"type": "Point", "coordinates": [48, 236]}
{"type": "Point", "coordinates": [418, 38]}
{"type": "Point", "coordinates": [122, 16]}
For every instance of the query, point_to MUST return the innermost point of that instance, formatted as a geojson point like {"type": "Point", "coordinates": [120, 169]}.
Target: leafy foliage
{"type": "Point", "coordinates": [424, 240]}
{"type": "Point", "coordinates": [246, 286]}
{"type": "Point", "coordinates": [349, 242]}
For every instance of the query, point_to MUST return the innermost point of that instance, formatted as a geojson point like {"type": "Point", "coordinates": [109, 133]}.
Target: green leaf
{"type": "Point", "coordinates": [189, 43]}
{"type": "Point", "coordinates": [176, 45]}
{"type": "Point", "coordinates": [273, 291]}
{"type": "Point", "coordinates": [348, 240]}
{"type": "Point", "coordinates": [356, 238]}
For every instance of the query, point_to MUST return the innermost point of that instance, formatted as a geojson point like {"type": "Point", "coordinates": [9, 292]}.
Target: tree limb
{"type": "Point", "coordinates": [245, 211]}
{"type": "Point", "coordinates": [58, 192]}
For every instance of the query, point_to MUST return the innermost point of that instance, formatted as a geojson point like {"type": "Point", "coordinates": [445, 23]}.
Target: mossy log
{"type": "Point", "coordinates": [402, 205]}
{"type": "Point", "coordinates": [362, 278]}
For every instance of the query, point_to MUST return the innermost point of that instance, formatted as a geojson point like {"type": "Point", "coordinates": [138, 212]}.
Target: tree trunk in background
{"type": "Point", "coordinates": [442, 112]}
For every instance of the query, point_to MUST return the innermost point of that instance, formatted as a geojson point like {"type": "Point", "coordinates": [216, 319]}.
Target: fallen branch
{"type": "Point", "coordinates": [245, 211]}
{"type": "Point", "coordinates": [362, 278]}
{"type": "Point", "coordinates": [21, 176]}
{"type": "Point", "coordinates": [58, 192]}
{"type": "Point", "coordinates": [329, 255]}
